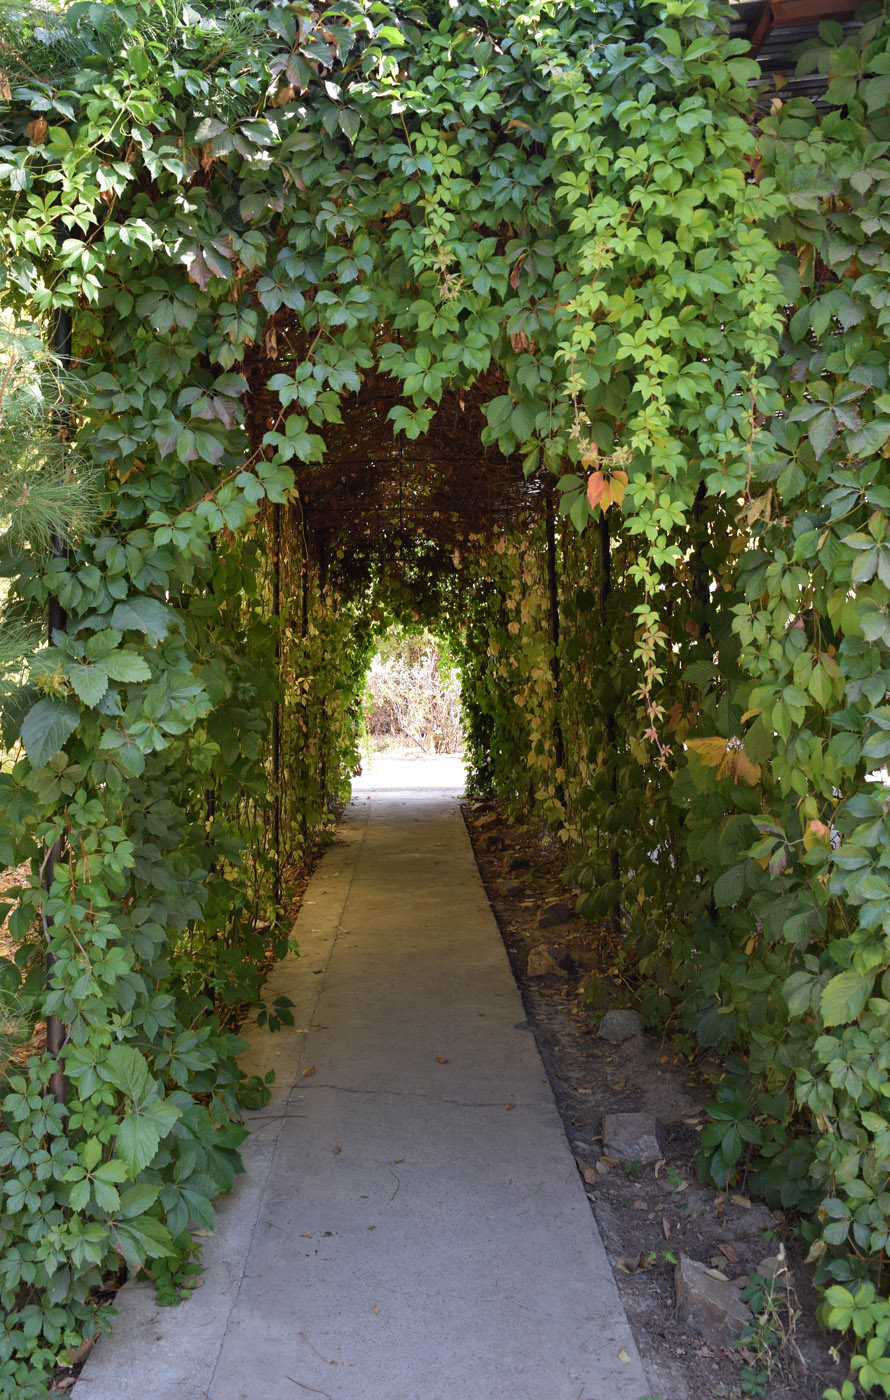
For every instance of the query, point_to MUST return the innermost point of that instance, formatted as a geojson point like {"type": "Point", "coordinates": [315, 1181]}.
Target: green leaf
{"type": "Point", "coordinates": [869, 439]}
{"type": "Point", "coordinates": [10, 977]}
{"type": "Point", "coordinates": [91, 1154]}
{"type": "Point", "coordinates": [46, 727]}
{"type": "Point", "coordinates": [101, 643]}
{"type": "Point", "coordinates": [522, 421]}
{"type": "Point", "coordinates": [876, 92]}
{"type": "Point", "coordinates": [126, 666]}
{"type": "Point", "coordinates": [844, 998]}
{"type": "Point", "coordinates": [728, 889]}
{"type": "Point", "coordinates": [137, 1142]}
{"type": "Point", "coordinates": [136, 1200]}
{"type": "Point", "coordinates": [89, 683]}
{"type": "Point", "coordinates": [143, 1238]}
{"type": "Point", "coordinates": [801, 992]}
{"type": "Point", "coordinates": [350, 122]}
{"type": "Point", "coordinates": [144, 615]}
{"type": "Point", "coordinates": [80, 1194]}
{"type": "Point", "coordinates": [162, 1113]}
{"type": "Point", "coordinates": [127, 1070]}
{"type": "Point", "coordinates": [822, 432]}
{"type": "Point", "coordinates": [864, 566]}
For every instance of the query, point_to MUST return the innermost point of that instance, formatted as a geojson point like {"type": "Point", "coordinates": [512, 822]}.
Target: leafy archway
{"type": "Point", "coordinates": [293, 242]}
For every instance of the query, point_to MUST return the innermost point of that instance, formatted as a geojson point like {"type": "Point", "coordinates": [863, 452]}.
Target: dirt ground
{"type": "Point", "coordinates": [649, 1214]}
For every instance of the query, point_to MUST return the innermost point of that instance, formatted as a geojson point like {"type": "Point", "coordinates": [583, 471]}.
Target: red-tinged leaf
{"type": "Point", "coordinates": [596, 489]}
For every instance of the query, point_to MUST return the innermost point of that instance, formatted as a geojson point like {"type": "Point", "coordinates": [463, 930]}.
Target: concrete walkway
{"type": "Point", "coordinates": [411, 1225]}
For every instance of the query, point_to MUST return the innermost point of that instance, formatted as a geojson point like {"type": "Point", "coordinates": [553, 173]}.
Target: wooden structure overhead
{"type": "Point", "coordinates": [790, 14]}
{"type": "Point", "coordinates": [775, 29]}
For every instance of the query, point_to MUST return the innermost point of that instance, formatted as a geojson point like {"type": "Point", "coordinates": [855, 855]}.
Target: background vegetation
{"type": "Point", "coordinates": [412, 694]}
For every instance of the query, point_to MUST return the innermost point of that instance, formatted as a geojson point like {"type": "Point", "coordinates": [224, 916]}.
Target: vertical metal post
{"type": "Point", "coordinates": [555, 665]}
{"type": "Point", "coordinates": [701, 583]}
{"type": "Point", "coordinates": [276, 709]}
{"type": "Point", "coordinates": [608, 713]}
{"type": "Point", "coordinates": [56, 621]}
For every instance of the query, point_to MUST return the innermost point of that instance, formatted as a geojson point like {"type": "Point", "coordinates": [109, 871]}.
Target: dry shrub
{"type": "Point", "coordinates": [413, 695]}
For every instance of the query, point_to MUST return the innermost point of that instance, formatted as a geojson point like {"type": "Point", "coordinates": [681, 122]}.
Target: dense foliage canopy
{"type": "Point", "coordinates": [666, 309]}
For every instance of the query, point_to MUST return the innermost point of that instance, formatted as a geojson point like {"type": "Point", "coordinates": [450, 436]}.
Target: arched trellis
{"type": "Point", "coordinates": [560, 218]}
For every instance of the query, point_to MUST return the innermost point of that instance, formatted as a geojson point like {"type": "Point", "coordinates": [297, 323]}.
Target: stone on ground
{"type": "Point", "coordinates": [633, 1137]}
{"type": "Point", "coordinates": [710, 1305]}
{"type": "Point", "coordinates": [620, 1025]}
{"type": "Point", "coordinates": [541, 963]}
{"type": "Point", "coordinates": [554, 914]}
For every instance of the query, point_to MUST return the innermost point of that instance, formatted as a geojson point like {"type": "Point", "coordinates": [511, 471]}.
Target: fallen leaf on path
{"type": "Point", "coordinates": [717, 1273]}
{"type": "Point", "coordinates": [625, 1084]}
{"type": "Point", "coordinates": [636, 1263]}
{"type": "Point", "coordinates": [623, 1356]}
{"type": "Point", "coordinates": [441, 1059]}
{"type": "Point", "coordinates": [741, 1201]}
{"type": "Point", "coordinates": [308, 1071]}
{"type": "Point", "coordinates": [509, 1105]}
{"type": "Point", "coordinates": [666, 1228]}
{"type": "Point", "coordinates": [336, 1151]}
{"type": "Point", "coordinates": [397, 1160]}
{"type": "Point", "coordinates": [590, 1175]}
{"type": "Point", "coordinates": [729, 1252]}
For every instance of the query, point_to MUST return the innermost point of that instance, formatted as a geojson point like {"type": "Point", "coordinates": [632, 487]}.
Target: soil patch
{"type": "Point", "coordinates": [649, 1213]}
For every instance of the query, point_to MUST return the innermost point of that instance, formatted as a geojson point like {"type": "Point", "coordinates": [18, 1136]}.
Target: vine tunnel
{"type": "Point", "coordinates": [553, 326]}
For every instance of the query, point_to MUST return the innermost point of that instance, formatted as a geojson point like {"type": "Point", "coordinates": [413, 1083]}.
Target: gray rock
{"type": "Point", "coordinates": [633, 1137]}
{"type": "Point", "coordinates": [514, 890]}
{"type": "Point", "coordinates": [751, 1223]}
{"type": "Point", "coordinates": [561, 956]}
{"type": "Point", "coordinates": [620, 1025]}
{"type": "Point", "coordinates": [554, 914]}
{"type": "Point", "coordinates": [709, 1305]}
{"type": "Point", "coordinates": [542, 964]}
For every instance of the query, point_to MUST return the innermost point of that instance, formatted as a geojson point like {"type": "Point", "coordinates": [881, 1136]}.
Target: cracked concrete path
{"type": "Point", "coordinates": [411, 1224]}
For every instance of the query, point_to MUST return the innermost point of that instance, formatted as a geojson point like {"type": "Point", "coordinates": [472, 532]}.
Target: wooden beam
{"type": "Point", "coordinates": [781, 12]}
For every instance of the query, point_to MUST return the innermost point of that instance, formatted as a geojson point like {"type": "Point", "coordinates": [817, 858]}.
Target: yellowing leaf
{"type": "Point", "coordinates": [711, 751]}
{"type": "Point", "coordinates": [618, 486]}
{"type": "Point", "coordinates": [743, 770]}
